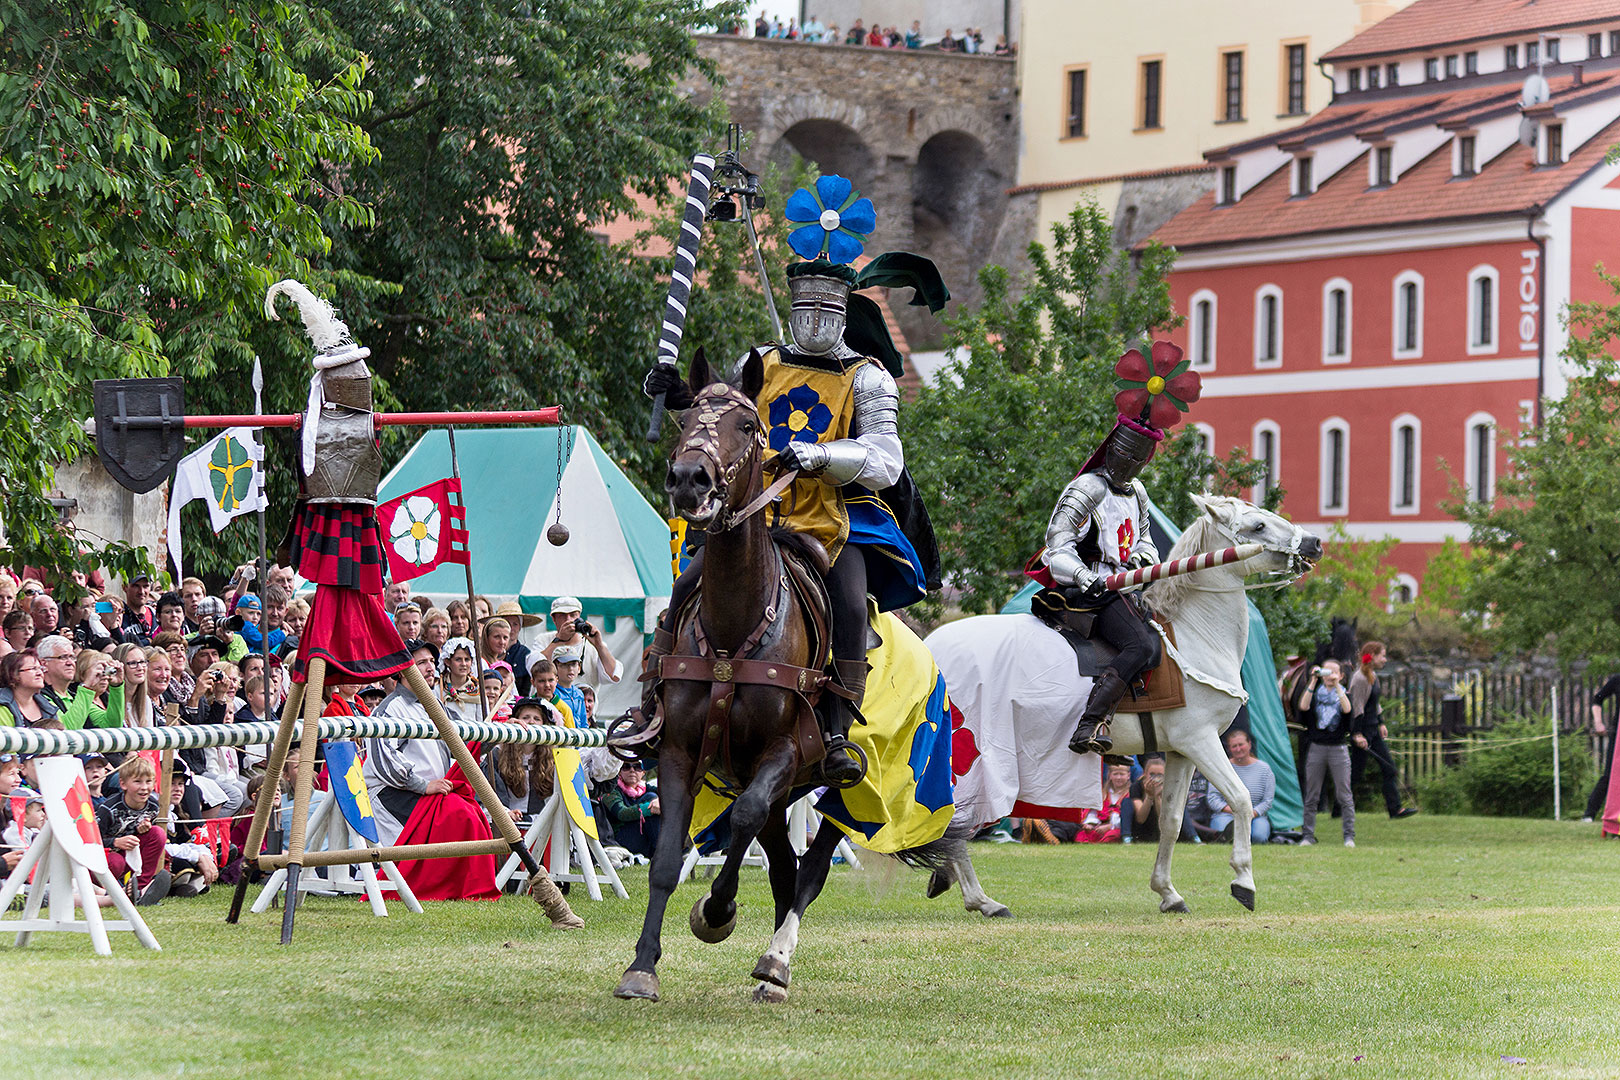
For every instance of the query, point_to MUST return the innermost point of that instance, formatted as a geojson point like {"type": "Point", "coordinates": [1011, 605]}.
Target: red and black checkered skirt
{"type": "Point", "coordinates": [337, 546]}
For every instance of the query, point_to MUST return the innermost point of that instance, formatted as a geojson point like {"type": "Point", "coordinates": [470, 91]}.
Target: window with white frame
{"type": "Point", "coordinates": [1479, 457]}
{"type": "Point", "coordinates": [1268, 452]}
{"type": "Point", "coordinates": [1405, 464]}
{"type": "Point", "coordinates": [1482, 309]}
{"type": "Point", "coordinates": [1403, 590]}
{"type": "Point", "coordinates": [1336, 322]}
{"type": "Point", "coordinates": [1334, 492]}
{"type": "Point", "coordinates": [1201, 330]}
{"type": "Point", "coordinates": [1406, 333]}
{"type": "Point", "coordinates": [1268, 326]}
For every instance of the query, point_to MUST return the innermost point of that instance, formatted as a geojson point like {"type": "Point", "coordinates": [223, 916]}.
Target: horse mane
{"type": "Point", "coordinates": [1168, 594]}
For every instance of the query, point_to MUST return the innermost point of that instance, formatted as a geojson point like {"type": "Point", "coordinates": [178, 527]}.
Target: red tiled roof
{"type": "Point", "coordinates": [1432, 23]}
{"type": "Point", "coordinates": [1511, 183]}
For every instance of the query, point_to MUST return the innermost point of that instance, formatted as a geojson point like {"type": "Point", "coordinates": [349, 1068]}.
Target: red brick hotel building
{"type": "Point", "coordinates": [1376, 294]}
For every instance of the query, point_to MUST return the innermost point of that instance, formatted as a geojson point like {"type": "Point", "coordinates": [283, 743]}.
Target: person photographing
{"type": "Point", "coordinates": [1327, 706]}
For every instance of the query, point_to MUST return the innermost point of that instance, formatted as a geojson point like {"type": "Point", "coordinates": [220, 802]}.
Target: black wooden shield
{"type": "Point", "coordinates": [140, 429]}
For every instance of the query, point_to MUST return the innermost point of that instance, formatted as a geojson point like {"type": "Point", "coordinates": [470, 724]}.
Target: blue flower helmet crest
{"type": "Point", "coordinates": [837, 220]}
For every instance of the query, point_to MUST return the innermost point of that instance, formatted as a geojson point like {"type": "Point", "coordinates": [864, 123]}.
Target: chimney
{"type": "Point", "coordinates": [1576, 70]}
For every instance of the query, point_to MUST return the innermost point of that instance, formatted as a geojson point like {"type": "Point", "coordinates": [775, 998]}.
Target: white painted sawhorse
{"type": "Point", "coordinates": [340, 880]}
{"type": "Point", "coordinates": [802, 824]}
{"type": "Point", "coordinates": [58, 875]}
{"type": "Point", "coordinates": [569, 846]}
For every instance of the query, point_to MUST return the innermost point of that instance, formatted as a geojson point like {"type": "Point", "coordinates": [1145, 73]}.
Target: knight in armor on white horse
{"type": "Point", "coordinates": [1101, 526]}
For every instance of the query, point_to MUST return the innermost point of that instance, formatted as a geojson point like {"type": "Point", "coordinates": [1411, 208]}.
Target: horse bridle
{"type": "Point", "coordinates": [714, 402]}
{"type": "Point", "coordinates": [1298, 565]}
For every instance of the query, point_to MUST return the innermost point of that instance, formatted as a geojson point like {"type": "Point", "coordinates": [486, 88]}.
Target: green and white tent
{"type": "Point", "coordinates": [617, 559]}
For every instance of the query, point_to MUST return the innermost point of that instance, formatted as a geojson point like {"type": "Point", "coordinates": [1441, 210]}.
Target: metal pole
{"type": "Point", "coordinates": [1558, 786]}
{"type": "Point", "coordinates": [472, 602]}
{"type": "Point", "coordinates": [550, 415]}
{"type": "Point", "coordinates": [264, 561]}
{"type": "Point", "coordinates": [764, 277]}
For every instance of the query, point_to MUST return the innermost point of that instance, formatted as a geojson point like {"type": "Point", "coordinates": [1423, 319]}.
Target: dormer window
{"type": "Point", "coordinates": [1510, 56]}
{"type": "Point", "coordinates": [1383, 166]}
{"type": "Point", "coordinates": [1470, 63]}
{"type": "Point", "coordinates": [1465, 156]}
{"type": "Point", "coordinates": [1302, 176]}
{"type": "Point", "coordinates": [1552, 143]}
{"type": "Point", "coordinates": [1392, 74]}
{"type": "Point", "coordinates": [1532, 53]}
{"type": "Point", "coordinates": [1229, 192]}
{"type": "Point", "coordinates": [1594, 46]}
{"type": "Point", "coordinates": [1552, 50]}
{"type": "Point", "coordinates": [1431, 68]}
{"type": "Point", "coordinates": [1451, 66]}
{"type": "Point", "coordinates": [1614, 42]}
{"type": "Point", "coordinates": [1373, 77]}
{"type": "Point", "coordinates": [1355, 79]}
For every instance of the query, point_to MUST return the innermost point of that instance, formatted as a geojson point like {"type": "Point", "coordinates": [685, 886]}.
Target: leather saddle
{"type": "Point", "coordinates": [1159, 688]}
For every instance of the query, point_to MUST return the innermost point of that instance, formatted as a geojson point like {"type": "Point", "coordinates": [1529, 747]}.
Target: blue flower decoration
{"type": "Point", "coordinates": [798, 416]}
{"type": "Point", "coordinates": [838, 220]}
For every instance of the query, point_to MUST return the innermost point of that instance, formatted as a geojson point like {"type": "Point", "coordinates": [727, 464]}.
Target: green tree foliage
{"type": "Point", "coordinates": [509, 135]}
{"type": "Point", "coordinates": [1547, 551]}
{"type": "Point", "coordinates": [160, 165]}
{"type": "Point", "coordinates": [1028, 396]}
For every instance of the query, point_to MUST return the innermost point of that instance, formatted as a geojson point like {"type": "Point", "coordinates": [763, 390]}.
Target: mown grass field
{"type": "Point", "coordinates": [1435, 949]}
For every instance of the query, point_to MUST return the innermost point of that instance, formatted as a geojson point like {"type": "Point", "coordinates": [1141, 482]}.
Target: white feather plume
{"type": "Point", "coordinates": [328, 332]}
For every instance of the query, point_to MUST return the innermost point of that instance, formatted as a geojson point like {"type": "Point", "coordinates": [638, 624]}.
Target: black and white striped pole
{"type": "Point", "coordinates": [683, 270]}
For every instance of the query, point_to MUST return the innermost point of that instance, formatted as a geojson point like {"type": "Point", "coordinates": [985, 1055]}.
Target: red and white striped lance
{"type": "Point", "coordinates": [1142, 576]}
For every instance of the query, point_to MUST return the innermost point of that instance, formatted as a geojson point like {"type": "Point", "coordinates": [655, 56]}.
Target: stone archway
{"type": "Point", "coordinates": [956, 209]}
{"type": "Point", "coordinates": [833, 147]}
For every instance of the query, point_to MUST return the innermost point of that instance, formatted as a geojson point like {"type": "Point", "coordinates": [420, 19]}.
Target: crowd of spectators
{"type": "Point", "coordinates": [75, 654]}
{"type": "Point", "coordinates": [971, 41]}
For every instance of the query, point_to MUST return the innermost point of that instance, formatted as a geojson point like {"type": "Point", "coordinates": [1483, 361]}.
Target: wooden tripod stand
{"type": "Point", "coordinates": [309, 697]}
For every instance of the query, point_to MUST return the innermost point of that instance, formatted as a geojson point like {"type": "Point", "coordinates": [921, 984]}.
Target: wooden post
{"type": "Point", "coordinates": [310, 739]}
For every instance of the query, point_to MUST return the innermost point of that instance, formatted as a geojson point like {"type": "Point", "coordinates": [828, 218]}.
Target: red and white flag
{"type": "Point", "coordinates": [423, 529]}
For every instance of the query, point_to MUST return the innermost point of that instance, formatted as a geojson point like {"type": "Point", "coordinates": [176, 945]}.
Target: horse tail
{"type": "Point", "coordinates": [934, 856]}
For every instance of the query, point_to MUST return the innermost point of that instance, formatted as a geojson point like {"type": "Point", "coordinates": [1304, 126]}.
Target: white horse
{"type": "Point", "coordinates": [1208, 609]}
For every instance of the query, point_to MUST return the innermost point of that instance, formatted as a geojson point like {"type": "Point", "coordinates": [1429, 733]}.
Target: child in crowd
{"type": "Point", "coordinates": [494, 682]}
{"type": "Point", "coordinates": [17, 835]}
{"type": "Point", "coordinates": [221, 764]}
{"type": "Point", "coordinates": [567, 662]}
{"type": "Point", "coordinates": [10, 783]}
{"type": "Point", "coordinates": [191, 864]}
{"type": "Point", "coordinates": [96, 769]}
{"type": "Point", "coordinates": [130, 832]}
{"type": "Point", "coordinates": [255, 709]}
{"type": "Point", "coordinates": [522, 775]}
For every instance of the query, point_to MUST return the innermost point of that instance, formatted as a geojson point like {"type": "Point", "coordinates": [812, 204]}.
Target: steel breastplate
{"type": "Point", "coordinates": [348, 464]}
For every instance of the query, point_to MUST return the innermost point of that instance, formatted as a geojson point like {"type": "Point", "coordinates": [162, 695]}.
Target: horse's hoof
{"type": "Point", "coordinates": [1001, 912]}
{"type": "Point", "coordinates": [1244, 896]}
{"type": "Point", "coordinates": [637, 986]}
{"type": "Point", "coordinates": [773, 970]}
{"type": "Point", "coordinates": [938, 883]}
{"type": "Point", "coordinates": [1178, 908]}
{"type": "Point", "coordinates": [711, 934]}
{"type": "Point", "coordinates": [770, 994]}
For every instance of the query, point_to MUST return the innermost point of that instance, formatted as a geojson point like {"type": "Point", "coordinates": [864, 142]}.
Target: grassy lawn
{"type": "Point", "coordinates": [1434, 949]}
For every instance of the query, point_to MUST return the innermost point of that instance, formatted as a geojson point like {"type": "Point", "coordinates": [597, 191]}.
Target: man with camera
{"type": "Point", "coordinates": [573, 630]}
{"type": "Point", "coordinates": [1327, 707]}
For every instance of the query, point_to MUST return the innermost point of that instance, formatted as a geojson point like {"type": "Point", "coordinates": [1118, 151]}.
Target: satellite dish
{"type": "Point", "coordinates": [1535, 92]}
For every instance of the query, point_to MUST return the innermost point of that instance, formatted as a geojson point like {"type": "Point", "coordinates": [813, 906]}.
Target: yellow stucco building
{"type": "Point", "coordinates": [1119, 102]}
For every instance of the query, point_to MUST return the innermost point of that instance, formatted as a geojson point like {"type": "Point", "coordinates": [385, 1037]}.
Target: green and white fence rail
{"type": "Point", "coordinates": [14, 740]}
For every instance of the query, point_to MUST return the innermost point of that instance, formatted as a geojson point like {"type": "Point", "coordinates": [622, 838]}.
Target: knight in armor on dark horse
{"type": "Point", "coordinates": [1101, 526]}
{"type": "Point", "coordinates": [831, 406]}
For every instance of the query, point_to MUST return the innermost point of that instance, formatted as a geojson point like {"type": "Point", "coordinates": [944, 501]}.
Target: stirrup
{"type": "Point", "coordinates": [835, 744]}
{"type": "Point", "coordinates": [1096, 740]}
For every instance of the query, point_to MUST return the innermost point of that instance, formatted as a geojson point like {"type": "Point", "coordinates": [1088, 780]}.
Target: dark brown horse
{"type": "Point", "coordinates": [741, 673]}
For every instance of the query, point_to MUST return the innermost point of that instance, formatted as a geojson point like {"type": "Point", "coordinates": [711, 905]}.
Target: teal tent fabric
{"type": "Point", "coordinates": [1266, 718]}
